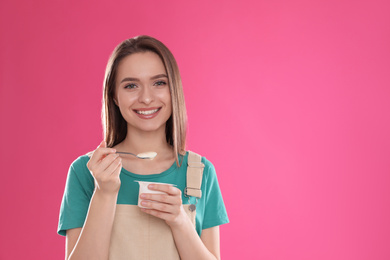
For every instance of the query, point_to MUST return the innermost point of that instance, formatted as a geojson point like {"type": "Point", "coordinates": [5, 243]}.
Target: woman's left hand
{"type": "Point", "coordinates": [167, 206]}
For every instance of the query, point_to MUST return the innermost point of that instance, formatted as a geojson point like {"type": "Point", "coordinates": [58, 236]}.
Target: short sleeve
{"type": "Point", "coordinates": [214, 212]}
{"type": "Point", "coordinates": [77, 196]}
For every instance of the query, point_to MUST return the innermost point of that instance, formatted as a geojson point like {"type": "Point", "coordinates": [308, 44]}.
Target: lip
{"type": "Point", "coordinates": [147, 109]}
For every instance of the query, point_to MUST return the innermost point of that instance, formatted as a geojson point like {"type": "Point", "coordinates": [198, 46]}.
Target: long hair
{"type": "Point", "coordinates": [114, 125]}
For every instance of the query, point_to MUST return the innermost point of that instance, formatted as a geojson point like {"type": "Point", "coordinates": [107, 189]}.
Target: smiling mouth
{"type": "Point", "coordinates": [147, 112]}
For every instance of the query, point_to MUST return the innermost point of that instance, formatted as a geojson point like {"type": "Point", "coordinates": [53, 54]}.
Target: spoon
{"type": "Point", "coordinates": [146, 155]}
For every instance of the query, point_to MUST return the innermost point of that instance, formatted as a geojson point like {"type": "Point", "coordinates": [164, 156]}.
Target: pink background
{"type": "Point", "coordinates": [288, 99]}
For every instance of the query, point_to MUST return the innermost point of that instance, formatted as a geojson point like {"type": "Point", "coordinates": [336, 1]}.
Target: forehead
{"type": "Point", "coordinates": [142, 65]}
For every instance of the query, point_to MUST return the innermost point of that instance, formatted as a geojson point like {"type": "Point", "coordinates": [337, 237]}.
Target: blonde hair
{"type": "Point", "coordinates": [114, 125]}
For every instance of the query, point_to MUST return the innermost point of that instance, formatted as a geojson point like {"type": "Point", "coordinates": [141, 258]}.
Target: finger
{"type": "Point", "coordinates": [113, 167]}
{"type": "Point", "coordinates": [103, 144]}
{"type": "Point", "coordinates": [100, 154]}
{"type": "Point", "coordinates": [167, 208]}
{"type": "Point", "coordinates": [105, 163]}
{"type": "Point", "coordinates": [118, 169]}
{"type": "Point", "coordinates": [169, 189]}
{"type": "Point", "coordinates": [162, 198]}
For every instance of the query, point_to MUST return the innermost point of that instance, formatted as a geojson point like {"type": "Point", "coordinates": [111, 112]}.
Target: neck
{"type": "Point", "coordinates": [140, 141]}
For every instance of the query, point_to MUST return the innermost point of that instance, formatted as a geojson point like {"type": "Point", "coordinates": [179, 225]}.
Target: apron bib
{"type": "Point", "coordinates": [140, 236]}
{"type": "Point", "coordinates": [137, 235]}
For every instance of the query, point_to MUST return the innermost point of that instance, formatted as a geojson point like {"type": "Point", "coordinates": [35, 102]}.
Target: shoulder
{"type": "Point", "coordinates": [80, 163]}
{"type": "Point", "coordinates": [79, 172]}
{"type": "Point", "coordinates": [208, 166]}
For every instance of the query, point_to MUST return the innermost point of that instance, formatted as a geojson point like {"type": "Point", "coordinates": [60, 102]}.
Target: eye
{"type": "Point", "coordinates": [160, 83]}
{"type": "Point", "coordinates": [131, 86]}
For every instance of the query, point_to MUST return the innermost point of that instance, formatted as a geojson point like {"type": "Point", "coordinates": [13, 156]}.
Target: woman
{"type": "Point", "coordinates": [143, 111]}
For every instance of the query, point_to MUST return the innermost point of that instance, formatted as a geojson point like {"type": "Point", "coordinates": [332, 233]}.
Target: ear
{"type": "Point", "coordinates": [116, 102]}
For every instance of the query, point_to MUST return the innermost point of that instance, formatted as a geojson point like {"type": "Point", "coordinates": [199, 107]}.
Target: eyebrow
{"type": "Point", "coordinates": [154, 77]}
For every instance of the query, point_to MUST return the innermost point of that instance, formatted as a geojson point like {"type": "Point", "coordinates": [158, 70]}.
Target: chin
{"type": "Point", "coordinates": [147, 128]}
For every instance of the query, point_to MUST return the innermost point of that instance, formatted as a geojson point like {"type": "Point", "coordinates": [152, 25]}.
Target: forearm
{"type": "Point", "coordinates": [94, 239]}
{"type": "Point", "coordinates": [189, 244]}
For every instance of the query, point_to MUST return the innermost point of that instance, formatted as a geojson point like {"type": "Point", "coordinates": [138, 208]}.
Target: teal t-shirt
{"type": "Point", "coordinates": [210, 208]}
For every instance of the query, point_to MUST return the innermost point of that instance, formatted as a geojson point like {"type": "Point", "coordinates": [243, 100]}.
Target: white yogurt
{"type": "Point", "coordinates": [143, 188]}
{"type": "Point", "coordinates": [149, 155]}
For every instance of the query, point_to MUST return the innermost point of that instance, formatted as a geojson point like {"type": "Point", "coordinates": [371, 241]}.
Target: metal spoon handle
{"type": "Point", "coordinates": [127, 153]}
{"type": "Point", "coordinates": [139, 156]}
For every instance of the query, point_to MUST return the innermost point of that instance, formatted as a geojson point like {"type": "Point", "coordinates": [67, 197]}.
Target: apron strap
{"type": "Point", "coordinates": [194, 175]}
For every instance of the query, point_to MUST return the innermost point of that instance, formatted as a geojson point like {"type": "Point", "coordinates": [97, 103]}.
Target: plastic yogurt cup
{"type": "Point", "coordinates": [143, 188]}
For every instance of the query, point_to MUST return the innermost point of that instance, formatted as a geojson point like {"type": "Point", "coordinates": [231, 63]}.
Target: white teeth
{"type": "Point", "coordinates": [147, 112]}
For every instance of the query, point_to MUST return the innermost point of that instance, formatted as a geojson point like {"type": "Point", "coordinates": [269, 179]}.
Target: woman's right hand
{"type": "Point", "coordinates": [105, 166]}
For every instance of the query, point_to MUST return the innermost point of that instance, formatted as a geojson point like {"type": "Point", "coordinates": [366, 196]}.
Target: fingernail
{"type": "Point", "coordinates": [151, 186]}
{"type": "Point", "coordinates": [143, 196]}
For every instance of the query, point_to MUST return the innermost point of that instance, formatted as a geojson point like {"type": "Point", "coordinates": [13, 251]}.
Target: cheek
{"type": "Point", "coordinates": [165, 96]}
{"type": "Point", "coordinates": [168, 97]}
{"type": "Point", "coordinates": [169, 102]}
{"type": "Point", "coordinates": [125, 100]}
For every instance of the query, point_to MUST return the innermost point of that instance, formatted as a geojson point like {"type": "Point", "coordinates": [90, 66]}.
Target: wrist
{"type": "Point", "coordinates": [105, 195]}
{"type": "Point", "coordinates": [181, 222]}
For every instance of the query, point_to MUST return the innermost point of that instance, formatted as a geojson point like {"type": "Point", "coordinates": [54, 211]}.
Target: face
{"type": "Point", "coordinates": [142, 92]}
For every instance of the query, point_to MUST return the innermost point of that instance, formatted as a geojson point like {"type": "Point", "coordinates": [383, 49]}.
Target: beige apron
{"type": "Point", "coordinates": [137, 235]}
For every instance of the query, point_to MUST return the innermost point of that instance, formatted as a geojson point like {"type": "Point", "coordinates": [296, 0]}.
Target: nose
{"type": "Point", "coordinates": [146, 96]}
